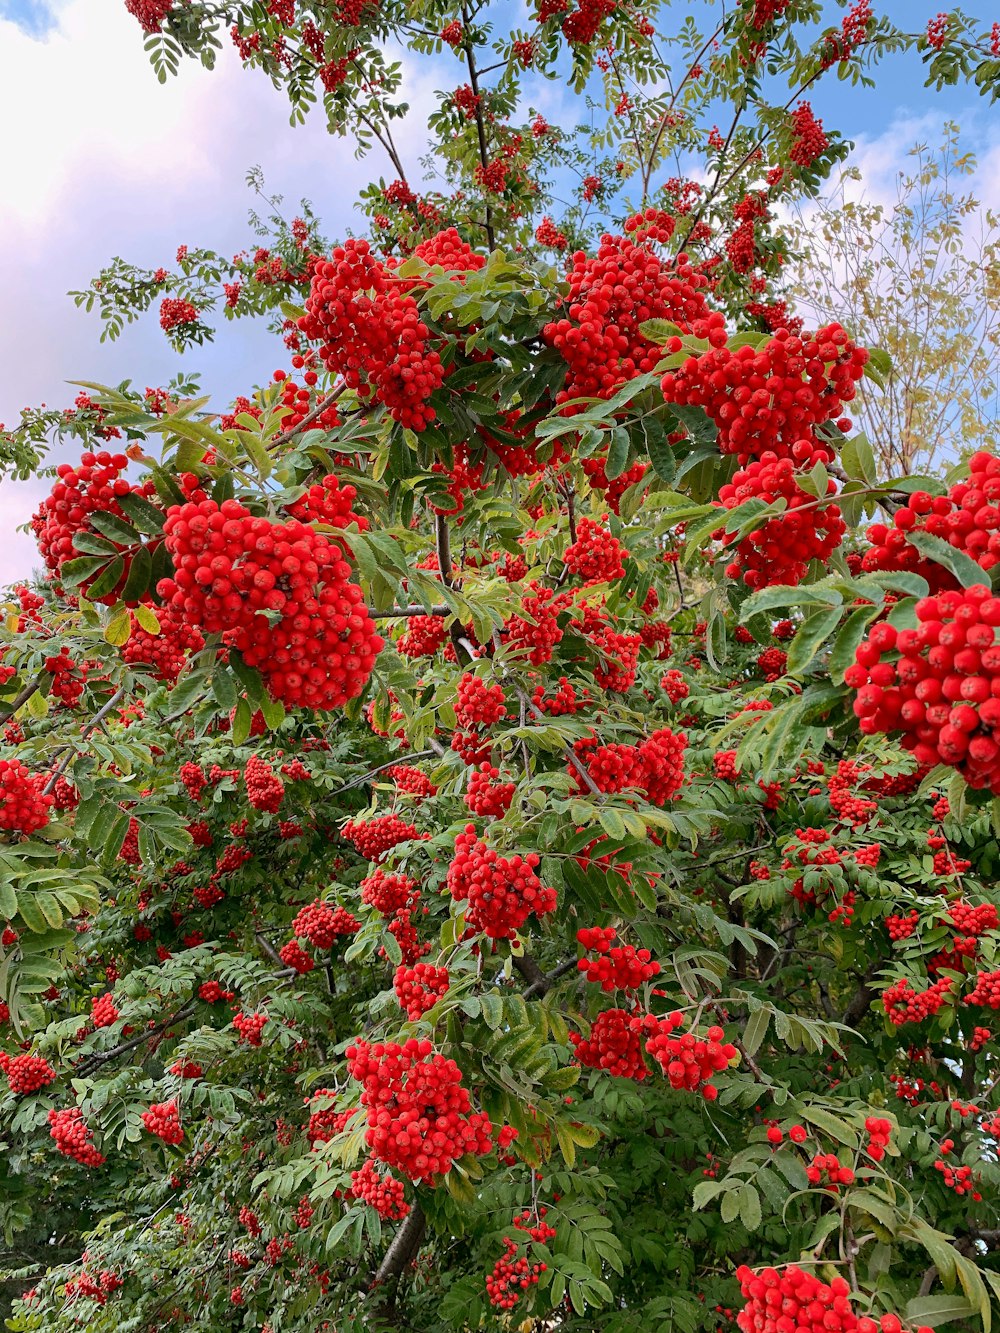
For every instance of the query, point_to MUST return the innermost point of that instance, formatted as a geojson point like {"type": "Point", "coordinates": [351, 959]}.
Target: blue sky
{"type": "Point", "coordinates": [99, 159]}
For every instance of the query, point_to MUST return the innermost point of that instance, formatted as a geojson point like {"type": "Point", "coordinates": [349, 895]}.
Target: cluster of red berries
{"type": "Point", "coordinates": [781, 548]}
{"type": "Point", "coordinates": [689, 1062]}
{"type": "Point", "coordinates": [770, 399]}
{"type": "Point", "coordinates": [176, 314]}
{"type": "Point", "coordinates": [986, 991]}
{"type": "Point", "coordinates": [103, 1011]}
{"type": "Point", "coordinates": [383, 1193]}
{"type": "Point", "coordinates": [250, 1027]}
{"type": "Point", "coordinates": [903, 1004]}
{"type": "Point", "coordinates": [610, 296]}
{"type": "Point", "coordinates": [325, 1121]}
{"type": "Point", "coordinates": [265, 790]}
{"type": "Point", "coordinates": [424, 635]}
{"type": "Point", "coordinates": [843, 802]}
{"type": "Point", "coordinates": [502, 892]}
{"type": "Point", "coordinates": [234, 571]}
{"type": "Point", "coordinates": [411, 781]}
{"type": "Point", "coordinates": [675, 686]}
{"type": "Point", "coordinates": [943, 691]}
{"type": "Point", "coordinates": [596, 556]}
{"type": "Point", "coordinates": [548, 234]}
{"type": "Point", "coordinates": [564, 702]}
{"type": "Point", "coordinates": [329, 502]}
{"type": "Point", "coordinates": [538, 636]}
{"type": "Point", "coordinates": [902, 927]}
{"type": "Point", "coordinates": [323, 923]}
{"type": "Point", "coordinates": [24, 804]}
{"type": "Point", "coordinates": [371, 333]}
{"type": "Point", "coordinates": [293, 955]}
{"type": "Point", "coordinates": [958, 1178]}
{"type": "Point", "coordinates": [879, 1131]}
{"type": "Point", "coordinates": [420, 1117]}
{"type": "Point", "coordinates": [388, 892]}
{"type": "Point", "coordinates": [512, 1276]}
{"type": "Point", "coordinates": [479, 704]}
{"type": "Point", "coordinates": [419, 988]}
{"type": "Point", "coordinates": [163, 1120]}
{"type": "Point", "coordinates": [26, 1073]}
{"type": "Point", "coordinates": [655, 767]}
{"type": "Point", "coordinates": [167, 651]}
{"type": "Point", "coordinates": [374, 838]}
{"type": "Point", "coordinates": [73, 1137]}
{"type": "Point", "coordinates": [95, 485]}
{"type": "Point", "coordinates": [967, 517]}
{"type": "Point", "coordinates": [150, 13]}
{"type": "Point", "coordinates": [809, 138]}
{"type": "Point", "coordinates": [825, 1169]}
{"type": "Point", "coordinates": [486, 796]}
{"type": "Point", "coordinates": [616, 967]}
{"type": "Point", "coordinates": [793, 1297]}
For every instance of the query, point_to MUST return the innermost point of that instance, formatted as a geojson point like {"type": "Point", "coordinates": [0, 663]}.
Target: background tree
{"type": "Point", "coordinates": [922, 273]}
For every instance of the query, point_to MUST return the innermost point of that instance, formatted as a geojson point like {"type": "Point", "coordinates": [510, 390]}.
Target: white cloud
{"type": "Point", "coordinates": [99, 159]}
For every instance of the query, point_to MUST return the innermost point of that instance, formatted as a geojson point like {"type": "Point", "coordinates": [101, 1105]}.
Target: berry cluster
{"type": "Point", "coordinates": [26, 1073]}
{"type": "Point", "coordinates": [325, 1121]}
{"type": "Point", "coordinates": [176, 314]}
{"type": "Point", "coordinates": [250, 1027]}
{"type": "Point", "coordinates": [770, 399]}
{"type": "Point", "coordinates": [419, 988]}
{"type": "Point", "coordinates": [655, 767]}
{"type": "Point", "coordinates": [596, 556]}
{"type": "Point", "coordinates": [825, 1169]}
{"type": "Point", "coordinates": [879, 1132]}
{"type": "Point", "coordinates": [323, 923]}
{"type": "Point", "coordinates": [986, 991]}
{"type": "Point", "coordinates": [24, 805]}
{"type": "Point", "coordinates": [479, 704]}
{"type": "Point", "coordinates": [511, 1277]}
{"type": "Point", "coordinates": [502, 892]}
{"type": "Point", "coordinates": [163, 1120]}
{"type": "Point", "coordinates": [780, 549]}
{"type": "Point", "coordinates": [420, 1117]}
{"type": "Point", "coordinates": [809, 139]}
{"type": "Point", "coordinates": [237, 574]}
{"type": "Point", "coordinates": [793, 1297]}
{"type": "Point", "coordinates": [486, 796]}
{"type": "Point", "coordinates": [383, 1193]}
{"type": "Point", "coordinates": [903, 1004]}
{"type": "Point", "coordinates": [943, 691]}
{"type": "Point", "coordinates": [103, 1011]}
{"type": "Point", "coordinates": [957, 1178]}
{"type": "Point", "coordinates": [614, 1045]}
{"type": "Point", "coordinates": [610, 296]}
{"type": "Point", "coordinates": [616, 967]}
{"type": "Point", "coordinates": [967, 517]}
{"type": "Point", "coordinates": [371, 333]}
{"type": "Point", "coordinates": [265, 790]}
{"type": "Point", "coordinates": [374, 838]}
{"type": "Point", "coordinates": [675, 686]}
{"type": "Point", "coordinates": [689, 1062]}
{"type": "Point", "coordinates": [388, 892]}
{"type": "Point", "coordinates": [73, 1137]}
{"type": "Point", "coordinates": [167, 651]}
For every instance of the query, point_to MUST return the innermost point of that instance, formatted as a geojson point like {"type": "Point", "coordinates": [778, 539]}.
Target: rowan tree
{"type": "Point", "coordinates": [498, 821]}
{"type": "Point", "coordinates": [922, 273]}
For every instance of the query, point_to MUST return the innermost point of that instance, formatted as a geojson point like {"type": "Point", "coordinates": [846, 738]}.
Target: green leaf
{"type": "Point", "coordinates": [756, 1030]}
{"type": "Point", "coordinates": [8, 901]}
{"type": "Point", "coordinates": [146, 517]}
{"type": "Point", "coordinates": [119, 628]}
{"type": "Point", "coordinates": [110, 525]}
{"type": "Point", "coordinates": [956, 562]}
{"type": "Point", "coordinates": [660, 331]}
{"type": "Point", "coordinates": [660, 451]}
{"type": "Point", "coordinates": [106, 581]}
{"type": "Point", "coordinates": [846, 644]}
{"type": "Point", "coordinates": [750, 1213]}
{"type": "Point", "coordinates": [140, 575]}
{"type": "Point", "coordinates": [937, 1310]}
{"type": "Point", "coordinates": [618, 454]}
{"type": "Point", "coordinates": [811, 636]}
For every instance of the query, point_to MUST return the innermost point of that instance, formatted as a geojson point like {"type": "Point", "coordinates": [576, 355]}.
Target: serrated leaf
{"type": "Point", "coordinates": [810, 637]}
{"type": "Point", "coordinates": [956, 562]}
{"type": "Point", "coordinates": [119, 628]}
